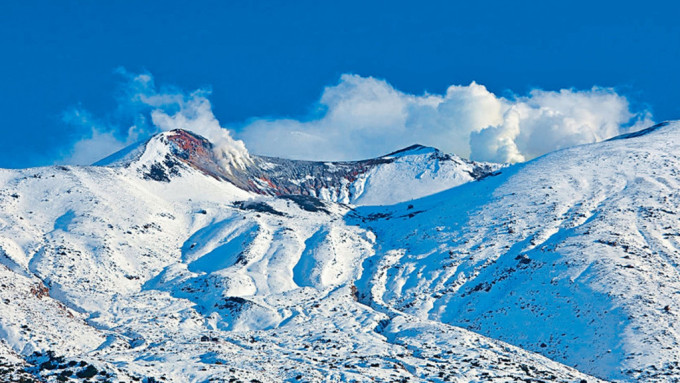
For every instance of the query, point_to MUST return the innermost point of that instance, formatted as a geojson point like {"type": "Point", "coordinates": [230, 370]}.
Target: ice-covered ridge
{"type": "Point", "coordinates": [642, 132]}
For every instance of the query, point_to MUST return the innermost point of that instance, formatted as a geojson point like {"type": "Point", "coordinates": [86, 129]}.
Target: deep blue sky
{"type": "Point", "coordinates": [273, 58]}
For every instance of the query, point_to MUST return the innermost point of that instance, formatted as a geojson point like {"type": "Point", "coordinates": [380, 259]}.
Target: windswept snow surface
{"type": "Point", "coordinates": [165, 265]}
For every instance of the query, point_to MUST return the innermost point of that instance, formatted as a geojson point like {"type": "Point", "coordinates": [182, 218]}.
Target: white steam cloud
{"type": "Point", "coordinates": [193, 113]}
{"type": "Point", "coordinates": [168, 109]}
{"type": "Point", "coordinates": [365, 117]}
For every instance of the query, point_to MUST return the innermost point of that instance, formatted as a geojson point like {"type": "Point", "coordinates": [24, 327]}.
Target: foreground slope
{"type": "Point", "coordinates": [157, 266]}
{"type": "Point", "coordinates": [573, 255]}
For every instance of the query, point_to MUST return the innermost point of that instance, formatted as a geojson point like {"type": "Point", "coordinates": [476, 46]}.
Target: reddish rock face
{"type": "Point", "coordinates": [189, 146]}
{"type": "Point", "coordinates": [196, 152]}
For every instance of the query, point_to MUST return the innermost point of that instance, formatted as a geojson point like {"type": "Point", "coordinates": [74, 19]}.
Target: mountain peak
{"type": "Point", "coordinates": [180, 142]}
{"type": "Point", "coordinates": [180, 145]}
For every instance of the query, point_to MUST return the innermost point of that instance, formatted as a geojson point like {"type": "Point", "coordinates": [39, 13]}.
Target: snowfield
{"type": "Point", "coordinates": [161, 264]}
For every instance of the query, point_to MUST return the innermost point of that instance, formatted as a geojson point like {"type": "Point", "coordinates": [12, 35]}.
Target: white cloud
{"type": "Point", "coordinates": [497, 143]}
{"type": "Point", "coordinates": [365, 117]}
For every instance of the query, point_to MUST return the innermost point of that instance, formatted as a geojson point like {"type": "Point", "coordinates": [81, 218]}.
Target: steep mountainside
{"type": "Point", "coordinates": [164, 262]}
{"type": "Point", "coordinates": [574, 255]}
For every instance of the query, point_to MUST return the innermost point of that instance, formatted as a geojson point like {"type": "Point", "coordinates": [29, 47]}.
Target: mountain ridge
{"type": "Point", "coordinates": [343, 181]}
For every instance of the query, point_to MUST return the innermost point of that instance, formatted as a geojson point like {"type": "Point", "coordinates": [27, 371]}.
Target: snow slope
{"type": "Point", "coordinates": [573, 255]}
{"type": "Point", "coordinates": [162, 263]}
{"type": "Point", "coordinates": [174, 274]}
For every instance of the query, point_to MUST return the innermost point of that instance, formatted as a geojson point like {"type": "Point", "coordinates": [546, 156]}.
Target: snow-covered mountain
{"type": "Point", "coordinates": [417, 170]}
{"type": "Point", "coordinates": [166, 263]}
